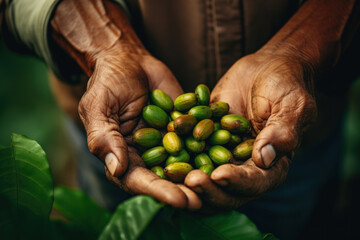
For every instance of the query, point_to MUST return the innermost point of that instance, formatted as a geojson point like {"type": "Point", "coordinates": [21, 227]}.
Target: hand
{"type": "Point", "coordinates": [112, 104]}
{"type": "Point", "coordinates": [111, 108]}
{"type": "Point", "coordinates": [274, 89]}
{"type": "Point", "coordinates": [275, 94]}
{"type": "Point", "coordinates": [101, 40]}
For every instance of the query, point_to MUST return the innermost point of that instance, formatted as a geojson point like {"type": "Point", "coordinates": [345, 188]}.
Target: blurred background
{"type": "Point", "coordinates": [27, 107]}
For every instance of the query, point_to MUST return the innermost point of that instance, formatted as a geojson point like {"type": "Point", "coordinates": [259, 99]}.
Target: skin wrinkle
{"type": "Point", "coordinates": [108, 36]}
{"type": "Point", "coordinates": [110, 107]}
{"type": "Point", "coordinates": [127, 127]}
{"type": "Point", "coordinates": [303, 58]}
{"type": "Point", "coordinates": [292, 44]}
{"type": "Point", "coordinates": [248, 187]}
{"type": "Point", "coordinates": [103, 125]}
{"type": "Point", "coordinates": [123, 113]}
{"type": "Point", "coordinates": [300, 111]}
{"type": "Point", "coordinates": [274, 82]}
{"type": "Point", "coordinates": [90, 117]}
{"type": "Point", "coordinates": [114, 115]}
{"type": "Point", "coordinates": [132, 107]}
{"type": "Point", "coordinates": [95, 113]}
{"type": "Point", "coordinates": [256, 188]}
{"type": "Point", "coordinates": [102, 149]}
{"type": "Point", "coordinates": [257, 119]}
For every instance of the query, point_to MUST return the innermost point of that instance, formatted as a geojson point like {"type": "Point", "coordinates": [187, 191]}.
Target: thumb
{"type": "Point", "coordinates": [283, 128]}
{"type": "Point", "coordinates": [103, 135]}
{"type": "Point", "coordinates": [273, 142]}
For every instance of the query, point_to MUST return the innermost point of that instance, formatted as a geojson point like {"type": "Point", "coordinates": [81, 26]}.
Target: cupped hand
{"type": "Point", "coordinates": [99, 37]}
{"type": "Point", "coordinates": [112, 104]}
{"type": "Point", "coordinates": [111, 109]}
{"type": "Point", "coordinates": [275, 94]}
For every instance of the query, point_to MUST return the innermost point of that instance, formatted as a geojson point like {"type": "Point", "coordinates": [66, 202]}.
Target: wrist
{"type": "Point", "coordinates": [289, 62]}
{"type": "Point", "coordinates": [312, 56]}
{"type": "Point", "coordinates": [317, 34]}
{"type": "Point", "coordinates": [90, 30]}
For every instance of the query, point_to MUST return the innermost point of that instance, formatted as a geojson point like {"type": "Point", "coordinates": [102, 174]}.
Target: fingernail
{"type": "Point", "coordinates": [111, 163]}
{"type": "Point", "coordinates": [222, 182]}
{"type": "Point", "coordinates": [268, 155]}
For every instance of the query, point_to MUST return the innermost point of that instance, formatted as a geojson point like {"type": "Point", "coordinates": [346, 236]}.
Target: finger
{"type": "Point", "coordinates": [194, 201]}
{"type": "Point", "coordinates": [201, 184]}
{"type": "Point", "coordinates": [139, 180]}
{"type": "Point", "coordinates": [284, 125]}
{"type": "Point", "coordinates": [142, 181]}
{"type": "Point", "coordinates": [160, 77]}
{"type": "Point", "coordinates": [103, 133]}
{"type": "Point", "coordinates": [250, 180]}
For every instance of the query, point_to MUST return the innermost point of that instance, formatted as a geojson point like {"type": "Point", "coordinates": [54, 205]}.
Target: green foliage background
{"type": "Point", "coordinates": [27, 106]}
{"type": "Point", "coordinates": [26, 189]}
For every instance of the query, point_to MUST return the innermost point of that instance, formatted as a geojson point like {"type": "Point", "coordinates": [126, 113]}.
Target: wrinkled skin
{"type": "Point", "coordinates": [110, 110]}
{"type": "Point", "coordinates": [272, 88]}
{"type": "Point", "coordinates": [97, 34]}
{"type": "Point", "coordinates": [274, 94]}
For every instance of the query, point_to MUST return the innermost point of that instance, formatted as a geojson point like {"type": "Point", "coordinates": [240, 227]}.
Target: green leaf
{"type": "Point", "coordinates": [59, 230]}
{"type": "Point", "coordinates": [228, 225]}
{"type": "Point", "coordinates": [26, 187]}
{"type": "Point", "coordinates": [131, 218]}
{"type": "Point", "coordinates": [162, 227]}
{"type": "Point", "coordinates": [81, 210]}
{"type": "Point", "coordinates": [269, 236]}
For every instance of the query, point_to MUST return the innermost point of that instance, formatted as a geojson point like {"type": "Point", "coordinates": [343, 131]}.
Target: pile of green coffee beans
{"type": "Point", "coordinates": [199, 134]}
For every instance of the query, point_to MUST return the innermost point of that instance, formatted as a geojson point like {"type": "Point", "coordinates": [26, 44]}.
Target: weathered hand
{"type": "Point", "coordinates": [275, 94]}
{"type": "Point", "coordinates": [111, 108]}
{"type": "Point", "coordinates": [112, 104]}
{"type": "Point", "coordinates": [100, 38]}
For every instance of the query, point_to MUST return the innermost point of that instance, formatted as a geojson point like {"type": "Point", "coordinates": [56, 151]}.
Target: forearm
{"type": "Point", "coordinates": [318, 33]}
{"type": "Point", "coordinates": [87, 29]}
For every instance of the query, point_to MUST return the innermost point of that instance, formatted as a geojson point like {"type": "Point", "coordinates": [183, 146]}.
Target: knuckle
{"type": "Point", "coordinates": [306, 110]}
{"type": "Point", "coordinates": [290, 138]}
{"type": "Point", "coordinates": [93, 143]}
{"type": "Point", "coordinates": [85, 104]}
{"type": "Point", "coordinates": [81, 107]}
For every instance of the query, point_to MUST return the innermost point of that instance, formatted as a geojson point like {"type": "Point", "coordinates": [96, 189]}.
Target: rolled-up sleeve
{"type": "Point", "coordinates": [27, 22]}
{"type": "Point", "coordinates": [26, 26]}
